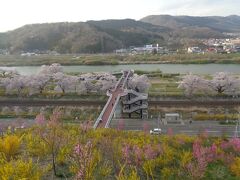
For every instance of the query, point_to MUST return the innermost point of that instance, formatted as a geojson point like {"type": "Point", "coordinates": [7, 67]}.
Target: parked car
{"type": "Point", "coordinates": [156, 131]}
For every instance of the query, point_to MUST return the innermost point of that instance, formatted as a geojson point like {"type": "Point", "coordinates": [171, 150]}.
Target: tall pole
{"type": "Point", "coordinates": [159, 116]}
{"type": "Point", "coordinates": [237, 127]}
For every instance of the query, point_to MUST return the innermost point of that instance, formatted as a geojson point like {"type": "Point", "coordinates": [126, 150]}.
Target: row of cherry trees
{"type": "Point", "coordinates": [219, 83]}
{"type": "Point", "coordinates": [53, 77]}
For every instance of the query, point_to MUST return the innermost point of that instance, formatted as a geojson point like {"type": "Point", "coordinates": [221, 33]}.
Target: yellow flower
{"type": "Point", "coordinates": [235, 167]}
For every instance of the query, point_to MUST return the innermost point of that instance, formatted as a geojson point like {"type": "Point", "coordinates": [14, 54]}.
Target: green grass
{"type": "Point", "coordinates": [165, 86]}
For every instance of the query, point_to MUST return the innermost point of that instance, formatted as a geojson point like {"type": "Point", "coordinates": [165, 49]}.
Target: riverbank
{"type": "Point", "coordinates": [164, 68]}
{"type": "Point", "coordinates": [113, 59]}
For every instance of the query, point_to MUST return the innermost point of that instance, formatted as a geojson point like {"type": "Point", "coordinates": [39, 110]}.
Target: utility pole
{"type": "Point", "coordinates": [237, 128]}
{"type": "Point", "coordinates": [159, 116]}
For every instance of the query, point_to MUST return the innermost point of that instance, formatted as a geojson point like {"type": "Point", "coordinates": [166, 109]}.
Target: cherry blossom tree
{"type": "Point", "coordinates": [91, 85]}
{"type": "Point", "coordinates": [192, 84]}
{"type": "Point", "coordinates": [139, 83]}
{"type": "Point", "coordinates": [17, 83]}
{"type": "Point", "coordinates": [105, 85]}
{"type": "Point", "coordinates": [52, 69]}
{"type": "Point", "coordinates": [52, 134]}
{"type": "Point", "coordinates": [65, 82]}
{"type": "Point", "coordinates": [37, 83]}
{"type": "Point", "coordinates": [81, 88]}
{"type": "Point", "coordinates": [222, 82]}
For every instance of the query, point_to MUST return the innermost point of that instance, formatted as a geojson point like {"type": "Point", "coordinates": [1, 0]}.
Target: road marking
{"type": "Point", "coordinates": [186, 131]}
{"type": "Point", "coordinates": [212, 131]}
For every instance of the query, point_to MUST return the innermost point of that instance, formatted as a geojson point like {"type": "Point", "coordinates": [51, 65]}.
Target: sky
{"type": "Point", "coordinates": [16, 13]}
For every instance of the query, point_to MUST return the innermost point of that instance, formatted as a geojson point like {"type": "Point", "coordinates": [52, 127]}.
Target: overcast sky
{"type": "Point", "coordinates": [16, 13]}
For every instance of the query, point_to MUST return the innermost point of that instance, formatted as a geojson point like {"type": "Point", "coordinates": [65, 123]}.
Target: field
{"type": "Point", "coordinates": [165, 86]}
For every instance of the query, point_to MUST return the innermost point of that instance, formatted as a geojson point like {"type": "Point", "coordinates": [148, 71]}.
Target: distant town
{"type": "Point", "coordinates": [224, 46]}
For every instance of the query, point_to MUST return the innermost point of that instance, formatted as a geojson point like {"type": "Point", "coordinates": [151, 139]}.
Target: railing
{"type": "Point", "coordinates": [136, 93]}
{"type": "Point", "coordinates": [111, 114]}
{"type": "Point", "coordinates": [101, 114]}
{"type": "Point", "coordinates": [109, 99]}
{"type": "Point", "coordinates": [139, 98]}
{"type": "Point", "coordinates": [125, 80]}
{"type": "Point", "coordinates": [106, 105]}
{"type": "Point", "coordinates": [119, 81]}
{"type": "Point", "coordinates": [135, 108]}
{"type": "Point", "coordinates": [118, 97]}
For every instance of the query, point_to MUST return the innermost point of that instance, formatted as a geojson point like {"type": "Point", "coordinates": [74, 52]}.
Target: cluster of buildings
{"type": "Point", "coordinates": [4, 52]}
{"type": "Point", "coordinates": [37, 53]}
{"type": "Point", "coordinates": [32, 53]}
{"type": "Point", "coordinates": [217, 46]}
{"type": "Point", "coordinates": [146, 49]}
{"type": "Point", "coordinates": [224, 46]}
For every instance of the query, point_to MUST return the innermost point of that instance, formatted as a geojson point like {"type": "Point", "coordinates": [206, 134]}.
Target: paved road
{"type": "Point", "coordinates": [213, 128]}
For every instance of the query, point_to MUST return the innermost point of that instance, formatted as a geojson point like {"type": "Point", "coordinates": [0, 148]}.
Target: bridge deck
{"type": "Point", "coordinates": [109, 108]}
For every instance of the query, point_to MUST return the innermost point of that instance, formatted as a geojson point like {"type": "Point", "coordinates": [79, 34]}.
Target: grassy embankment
{"type": "Point", "coordinates": [112, 59]}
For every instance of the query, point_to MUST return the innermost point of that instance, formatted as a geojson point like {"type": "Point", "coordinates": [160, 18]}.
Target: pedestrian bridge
{"type": "Point", "coordinates": [114, 96]}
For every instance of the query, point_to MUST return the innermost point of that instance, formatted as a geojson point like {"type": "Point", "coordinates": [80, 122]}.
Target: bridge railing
{"type": "Point", "coordinates": [101, 114]}
{"type": "Point", "coordinates": [109, 99]}
{"type": "Point", "coordinates": [111, 114]}
{"type": "Point", "coordinates": [106, 105]}
{"type": "Point", "coordinates": [119, 81]}
{"type": "Point", "coordinates": [125, 80]}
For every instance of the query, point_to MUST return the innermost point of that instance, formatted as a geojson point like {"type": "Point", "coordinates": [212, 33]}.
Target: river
{"type": "Point", "coordinates": [165, 68]}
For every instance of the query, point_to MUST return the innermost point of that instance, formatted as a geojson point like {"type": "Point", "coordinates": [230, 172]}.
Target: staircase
{"type": "Point", "coordinates": [134, 108]}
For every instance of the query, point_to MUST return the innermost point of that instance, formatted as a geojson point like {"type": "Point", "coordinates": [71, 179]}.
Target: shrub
{"type": "Point", "coordinates": [10, 145]}
{"type": "Point", "coordinates": [235, 167]}
{"type": "Point", "coordinates": [19, 169]}
{"type": "Point", "coordinates": [217, 117]}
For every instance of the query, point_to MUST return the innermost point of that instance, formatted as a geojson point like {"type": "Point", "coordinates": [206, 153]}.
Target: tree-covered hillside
{"type": "Point", "coordinates": [108, 35]}
{"type": "Point", "coordinates": [89, 37]}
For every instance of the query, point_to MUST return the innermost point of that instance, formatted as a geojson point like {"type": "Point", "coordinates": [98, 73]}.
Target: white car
{"type": "Point", "coordinates": [156, 131]}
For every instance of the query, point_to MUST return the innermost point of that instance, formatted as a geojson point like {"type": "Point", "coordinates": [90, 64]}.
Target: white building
{"type": "Point", "coordinates": [194, 50]}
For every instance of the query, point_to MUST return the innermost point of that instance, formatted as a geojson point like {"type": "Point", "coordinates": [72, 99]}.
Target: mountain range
{"type": "Point", "coordinates": [108, 35]}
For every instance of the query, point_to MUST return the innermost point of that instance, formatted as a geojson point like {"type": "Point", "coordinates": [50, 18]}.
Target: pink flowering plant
{"type": "Point", "coordinates": [84, 161]}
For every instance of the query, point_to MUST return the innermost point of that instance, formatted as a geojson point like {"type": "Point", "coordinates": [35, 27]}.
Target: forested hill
{"type": "Point", "coordinates": [215, 23]}
{"type": "Point", "coordinates": [108, 35]}
{"type": "Point", "coordinates": [83, 37]}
